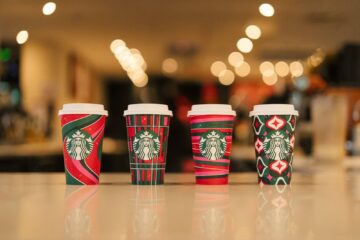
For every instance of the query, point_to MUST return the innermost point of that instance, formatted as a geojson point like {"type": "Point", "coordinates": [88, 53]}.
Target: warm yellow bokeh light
{"type": "Point", "coordinates": [22, 37]}
{"type": "Point", "coordinates": [282, 69]}
{"type": "Point", "coordinates": [49, 8]}
{"type": "Point", "coordinates": [226, 77]}
{"type": "Point", "coordinates": [217, 67]}
{"type": "Point", "coordinates": [117, 43]}
{"type": "Point", "coordinates": [141, 81]}
{"type": "Point", "coordinates": [267, 10]}
{"type": "Point", "coordinates": [244, 45]}
{"type": "Point", "coordinates": [267, 69]}
{"type": "Point", "coordinates": [296, 69]}
{"type": "Point", "coordinates": [253, 32]}
{"type": "Point", "coordinates": [169, 65]}
{"type": "Point", "coordinates": [243, 70]}
{"type": "Point", "coordinates": [270, 80]}
{"type": "Point", "coordinates": [235, 59]}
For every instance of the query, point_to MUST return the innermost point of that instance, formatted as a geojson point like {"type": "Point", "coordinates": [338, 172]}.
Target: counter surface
{"type": "Point", "coordinates": [320, 204]}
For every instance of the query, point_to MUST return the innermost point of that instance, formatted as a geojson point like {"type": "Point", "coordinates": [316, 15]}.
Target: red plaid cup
{"type": "Point", "coordinates": [148, 130]}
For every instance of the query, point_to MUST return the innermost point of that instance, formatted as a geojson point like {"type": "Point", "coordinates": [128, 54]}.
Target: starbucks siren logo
{"type": "Point", "coordinates": [146, 145]}
{"type": "Point", "coordinates": [79, 145]}
{"type": "Point", "coordinates": [277, 147]}
{"type": "Point", "coordinates": [213, 145]}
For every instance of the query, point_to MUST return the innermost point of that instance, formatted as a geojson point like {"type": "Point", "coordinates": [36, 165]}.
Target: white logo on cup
{"type": "Point", "coordinates": [79, 145]}
{"type": "Point", "coordinates": [212, 145]}
{"type": "Point", "coordinates": [146, 145]}
{"type": "Point", "coordinates": [277, 147]}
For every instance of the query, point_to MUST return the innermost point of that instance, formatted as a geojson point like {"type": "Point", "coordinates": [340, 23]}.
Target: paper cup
{"type": "Point", "coordinates": [82, 133]}
{"type": "Point", "coordinates": [211, 137]}
{"type": "Point", "coordinates": [274, 131]}
{"type": "Point", "coordinates": [148, 130]}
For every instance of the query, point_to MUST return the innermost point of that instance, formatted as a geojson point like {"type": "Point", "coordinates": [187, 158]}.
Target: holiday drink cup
{"type": "Point", "coordinates": [211, 137]}
{"type": "Point", "coordinates": [147, 130]}
{"type": "Point", "coordinates": [83, 127]}
{"type": "Point", "coordinates": [274, 130]}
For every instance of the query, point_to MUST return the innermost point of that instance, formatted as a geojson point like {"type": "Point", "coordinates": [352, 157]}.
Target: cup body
{"type": "Point", "coordinates": [147, 144]}
{"type": "Point", "coordinates": [274, 139]}
{"type": "Point", "coordinates": [82, 136]}
{"type": "Point", "coordinates": [211, 137]}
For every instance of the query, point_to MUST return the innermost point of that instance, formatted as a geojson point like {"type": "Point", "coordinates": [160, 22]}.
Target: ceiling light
{"type": "Point", "coordinates": [267, 69]}
{"type": "Point", "coordinates": [141, 81]}
{"type": "Point", "coordinates": [49, 8]}
{"type": "Point", "coordinates": [22, 37]}
{"type": "Point", "coordinates": [267, 10]}
{"type": "Point", "coordinates": [244, 45]}
{"type": "Point", "coordinates": [217, 67]}
{"type": "Point", "coordinates": [270, 80]}
{"type": "Point", "coordinates": [243, 70]}
{"type": "Point", "coordinates": [117, 43]}
{"type": "Point", "coordinates": [253, 32]}
{"type": "Point", "coordinates": [235, 59]}
{"type": "Point", "coordinates": [226, 77]}
{"type": "Point", "coordinates": [282, 69]}
{"type": "Point", "coordinates": [169, 65]}
{"type": "Point", "coordinates": [296, 69]}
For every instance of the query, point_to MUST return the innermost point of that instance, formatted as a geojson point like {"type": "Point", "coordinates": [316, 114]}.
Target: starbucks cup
{"type": "Point", "coordinates": [274, 126]}
{"type": "Point", "coordinates": [148, 130]}
{"type": "Point", "coordinates": [211, 137]}
{"type": "Point", "coordinates": [83, 127]}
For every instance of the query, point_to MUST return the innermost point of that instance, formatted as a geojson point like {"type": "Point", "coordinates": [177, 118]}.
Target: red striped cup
{"type": "Point", "coordinates": [211, 137]}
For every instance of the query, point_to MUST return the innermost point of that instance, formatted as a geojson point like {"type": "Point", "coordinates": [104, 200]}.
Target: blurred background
{"type": "Point", "coordinates": [178, 53]}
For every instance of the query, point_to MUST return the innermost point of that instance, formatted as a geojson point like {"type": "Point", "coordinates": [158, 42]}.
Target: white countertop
{"type": "Point", "coordinates": [323, 203]}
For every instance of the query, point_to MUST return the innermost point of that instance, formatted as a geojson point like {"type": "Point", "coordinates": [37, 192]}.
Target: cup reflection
{"type": "Point", "coordinates": [81, 204]}
{"type": "Point", "coordinates": [211, 212]}
{"type": "Point", "coordinates": [274, 219]}
{"type": "Point", "coordinates": [147, 213]}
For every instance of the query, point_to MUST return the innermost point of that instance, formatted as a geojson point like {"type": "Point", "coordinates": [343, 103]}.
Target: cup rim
{"type": "Point", "coordinates": [211, 109]}
{"type": "Point", "coordinates": [274, 109]}
{"type": "Point", "coordinates": [83, 108]}
{"type": "Point", "coordinates": [148, 108]}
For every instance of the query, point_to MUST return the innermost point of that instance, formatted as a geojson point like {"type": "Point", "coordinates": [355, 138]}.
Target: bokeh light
{"type": "Point", "coordinates": [296, 69]}
{"type": "Point", "coordinates": [217, 67]}
{"type": "Point", "coordinates": [226, 77]}
{"type": "Point", "coordinates": [270, 80]}
{"type": "Point", "coordinates": [117, 43]}
{"type": "Point", "coordinates": [243, 70]}
{"type": "Point", "coordinates": [49, 8]}
{"type": "Point", "coordinates": [22, 37]}
{"type": "Point", "coordinates": [169, 65]}
{"type": "Point", "coordinates": [267, 10]}
{"type": "Point", "coordinates": [235, 59]}
{"type": "Point", "coordinates": [267, 69]}
{"type": "Point", "coordinates": [244, 45]}
{"type": "Point", "coordinates": [253, 32]}
{"type": "Point", "coordinates": [282, 69]}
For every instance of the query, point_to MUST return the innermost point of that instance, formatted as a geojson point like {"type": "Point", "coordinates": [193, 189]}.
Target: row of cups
{"type": "Point", "coordinates": [148, 125]}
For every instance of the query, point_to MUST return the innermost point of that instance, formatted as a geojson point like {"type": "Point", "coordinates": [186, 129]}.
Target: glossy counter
{"type": "Point", "coordinates": [323, 203]}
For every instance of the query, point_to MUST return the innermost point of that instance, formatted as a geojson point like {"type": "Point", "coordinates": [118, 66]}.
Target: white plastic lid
{"type": "Point", "coordinates": [208, 109]}
{"type": "Point", "coordinates": [269, 109]}
{"type": "Point", "coordinates": [148, 108]}
{"type": "Point", "coordinates": [83, 108]}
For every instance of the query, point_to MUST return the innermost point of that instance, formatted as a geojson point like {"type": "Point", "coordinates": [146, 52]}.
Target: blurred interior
{"type": "Point", "coordinates": [178, 53]}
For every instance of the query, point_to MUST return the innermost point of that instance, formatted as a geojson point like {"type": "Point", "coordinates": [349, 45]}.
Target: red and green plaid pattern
{"type": "Point", "coordinates": [150, 171]}
{"type": "Point", "coordinates": [213, 171]}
